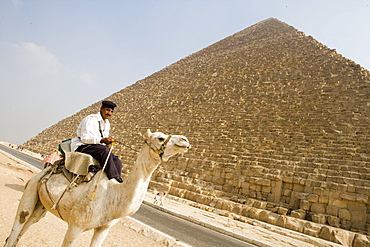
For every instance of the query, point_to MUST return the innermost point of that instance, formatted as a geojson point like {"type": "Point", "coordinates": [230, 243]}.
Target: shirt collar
{"type": "Point", "coordinates": [100, 118]}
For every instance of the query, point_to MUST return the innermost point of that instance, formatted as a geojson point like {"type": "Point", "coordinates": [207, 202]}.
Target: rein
{"type": "Point", "coordinates": [159, 151]}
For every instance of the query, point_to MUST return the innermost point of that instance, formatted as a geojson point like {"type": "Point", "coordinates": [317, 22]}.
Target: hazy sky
{"type": "Point", "coordinates": [58, 57]}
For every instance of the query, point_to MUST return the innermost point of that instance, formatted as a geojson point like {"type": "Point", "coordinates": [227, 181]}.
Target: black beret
{"type": "Point", "coordinates": [108, 104]}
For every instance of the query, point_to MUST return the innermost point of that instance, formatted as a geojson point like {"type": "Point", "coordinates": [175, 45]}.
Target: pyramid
{"type": "Point", "coordinates": [277, 121]}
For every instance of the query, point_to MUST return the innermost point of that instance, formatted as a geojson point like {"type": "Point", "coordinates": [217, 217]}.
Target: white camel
{"type": "Point", "coordinates": [112, 200]}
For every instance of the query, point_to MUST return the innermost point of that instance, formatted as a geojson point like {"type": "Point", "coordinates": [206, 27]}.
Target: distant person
{"type": "Point", "coordinates": [93, 138]}
{"type": "Point", "coordinates": [162, 198]}
{"type": "Point", "coordinates": [157, 197]}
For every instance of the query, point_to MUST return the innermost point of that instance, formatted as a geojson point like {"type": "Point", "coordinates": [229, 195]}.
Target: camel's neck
{"type": "Point", "coordinates": [136, 184]}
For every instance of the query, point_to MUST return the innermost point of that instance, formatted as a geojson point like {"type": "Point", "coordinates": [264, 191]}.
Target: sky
{"type": "Point", "coordinates": [58, 57]}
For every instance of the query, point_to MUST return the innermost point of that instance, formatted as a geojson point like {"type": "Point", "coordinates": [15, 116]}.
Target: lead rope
{"type": "Point", "coordinates": [55, 206]}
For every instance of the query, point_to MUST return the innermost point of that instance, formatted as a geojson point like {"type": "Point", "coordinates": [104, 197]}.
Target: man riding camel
{"type": "Point", "coordinates": [93, 139]}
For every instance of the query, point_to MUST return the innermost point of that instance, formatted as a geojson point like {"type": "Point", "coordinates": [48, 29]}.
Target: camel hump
{"type": "Point", "coordinates": [78, 163]}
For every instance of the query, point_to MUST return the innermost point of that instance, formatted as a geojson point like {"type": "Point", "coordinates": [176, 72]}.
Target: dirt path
{"type": "Point", "coordinates": [50, 230]}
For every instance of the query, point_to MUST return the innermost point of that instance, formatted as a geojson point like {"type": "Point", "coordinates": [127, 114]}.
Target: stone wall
{"type": "Point", "coordinates": [275, 118]}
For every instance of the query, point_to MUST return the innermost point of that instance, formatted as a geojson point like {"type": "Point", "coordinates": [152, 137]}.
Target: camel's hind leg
{"type": "Point", "coordinates": [100, 233]}
{"type": "Point", "coordinates": [30, 210]}
{"type": "Point", "coordinates": [37, 214]}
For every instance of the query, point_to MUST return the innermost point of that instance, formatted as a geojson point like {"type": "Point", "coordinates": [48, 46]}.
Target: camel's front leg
{"type": "Point", "coordinates": [100, 233]}
{"type": "Point", "coordinates": [72, 235]}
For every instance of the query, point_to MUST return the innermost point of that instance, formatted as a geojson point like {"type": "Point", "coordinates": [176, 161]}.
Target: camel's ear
{"type": "Point", "coordinates": [148, 133]}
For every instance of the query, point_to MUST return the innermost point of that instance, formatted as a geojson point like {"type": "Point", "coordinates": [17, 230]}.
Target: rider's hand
{"type": "Point", "coordinates": [106, 140]}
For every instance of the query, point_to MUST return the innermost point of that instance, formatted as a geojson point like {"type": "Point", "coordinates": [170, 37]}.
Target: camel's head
{"type": "Point", "coordinates": [166, 145]}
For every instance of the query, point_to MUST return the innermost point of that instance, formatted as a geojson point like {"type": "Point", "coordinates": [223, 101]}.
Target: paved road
{"type": "Point", "coordinates": [30, 160]}
{"type": "Point", "coordinates": [183, 230]}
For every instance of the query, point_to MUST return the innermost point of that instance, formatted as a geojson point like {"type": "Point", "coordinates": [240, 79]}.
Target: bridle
{"type": "Point", "coordinates": [161, 149]}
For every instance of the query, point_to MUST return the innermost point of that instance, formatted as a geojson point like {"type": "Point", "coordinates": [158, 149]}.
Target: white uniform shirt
{"type": "Point", "coordinates": [88, 131]}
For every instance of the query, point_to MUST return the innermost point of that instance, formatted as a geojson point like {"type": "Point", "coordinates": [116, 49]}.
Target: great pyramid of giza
{"type": "Point", "coordinates": [278, 122]}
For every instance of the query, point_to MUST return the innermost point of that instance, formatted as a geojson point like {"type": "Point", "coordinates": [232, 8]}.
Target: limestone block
{"type": "Point", "coordinates": [317, 190]}
{"type": "Point", "coordinates": [342, 237]}
{"type": "Point", "coordinates": [319, 218]}
{"type": "Point", "coordinates": [250, 202]}
{"type": "Point", "coordinates": [227, 205]}
{"type": "Point", "coordinates": [245, 211]}
{"type": "Point", "coordinates": [266, 182]}
{"type": "Point", "coordinates": [218, 187]}
{"type": "Point", "coordinates": [281, 221]}
{"type": "Point", "coordinates": [287, 192]}
{"type": "Point", "coordinates": [351, 188]}
{"type": "Point", "coordinates": [348, 196]}
{"type": "Point", "coordinates": [338, 203]}
{"type": "Point", "coordinates": [237, 209]}
{"type": "Point", "coordinates": [245, 185]}
{"type": "Point", "coordinates": [288, 185]}
{"type": "Point", "coordinates": [333, 221]}
{"type": "Point", "coordinates": [294, 224]}
{"type": "Point", "coordinates": [327, 233]}
{"type": "Point", "coordinates": [213, 202]}
{"type": "Point", "coordinates": [285, 199]}
{"type": "Point", "coordinates": [313, 198]}
{"type": "Point", "coordinates": [358, 226]}
{"type": "Point", "coordinates": [227, 188]}
{"type": "Point", "coordinates": [318, 208]}
{"type": "Point", "coordinates": [190, 195]}
{"type": "Point", "coordinates": [361, 240]}
{"type": "Point", "coordinates": [282, 211]}
{"type": "Point", "coordinates": [266, 189]}
{"type": "Point", "coordinates": [330, 210]}
{"type": "Point", "coordinates": [358, 212]}
{"type": "Point", "coordinates": [264, 215]}
{"type": "Point", "coordinates": [333, 194]}
{"type": "Point", "coordinates": [345, 224]}
{"type": "Point", "coordinates": [344, 214]}
{"type": "Point", "coordinates": [218, 204]}
{"type": "Point", "coordinates": [298, 188]}
{"type": "Point", "coordinates": [311, 229]}
{"type": "Point", "coordinates": [324, 199]}
{"type": "Point", "coordinates": [229, 175]}
{"type": "Point", "coordinates": [260, 204]}
{"type": "Point", "coordinates": [308, 189]}
{"type": "Point", "coordinates": [234, 198]}
{"type": "Point", "coordinates": [287, 179]}
{"type": "Point", "coordinates": [245, 191]}
{"type": "Point", "coordinates": [254, 213]}
{"type": "Point", "coordinates": [202, 199]}
{"type": "Point", "coordinates": [270, 197]}
{"type": "Point", "coordinates": [272, 218]}
{"type": "Point", "coordinates": [255, 187]}
{"type": "Point", "coordinates": [362, 198]}
{"type": "Point", "coordinates": [299, 214]}
{"type": "Point", "coordinates": [363, 190]}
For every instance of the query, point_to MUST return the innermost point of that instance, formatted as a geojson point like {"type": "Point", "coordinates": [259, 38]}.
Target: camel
{"type": "Point", "coordinates": [111, 202]}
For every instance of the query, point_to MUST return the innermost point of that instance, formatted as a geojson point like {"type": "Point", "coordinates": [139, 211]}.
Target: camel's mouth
{"type": "Point", "coordinates": [186, 147]}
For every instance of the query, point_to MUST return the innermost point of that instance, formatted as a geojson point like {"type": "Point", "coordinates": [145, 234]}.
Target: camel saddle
{"type": "Point", "coordinates": [78, 163]}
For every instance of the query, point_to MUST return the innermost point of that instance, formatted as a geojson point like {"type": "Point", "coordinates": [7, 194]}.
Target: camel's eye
{"type": "Point", "coordinates": [161, 139]}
